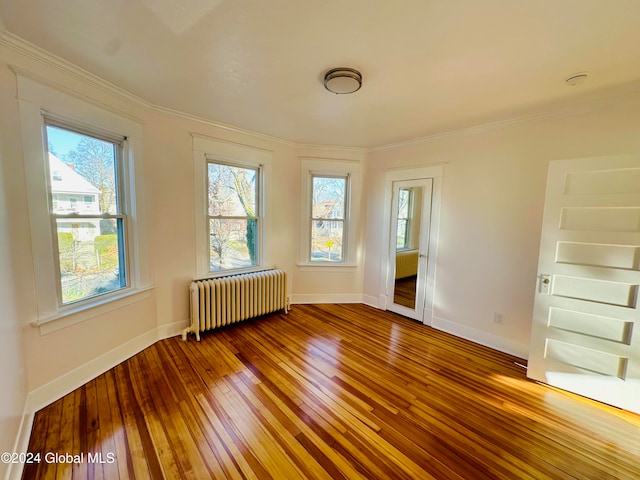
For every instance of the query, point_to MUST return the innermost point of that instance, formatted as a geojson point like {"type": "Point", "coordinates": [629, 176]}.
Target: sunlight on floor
{"type": "Point", "coordinates": [561, 408]}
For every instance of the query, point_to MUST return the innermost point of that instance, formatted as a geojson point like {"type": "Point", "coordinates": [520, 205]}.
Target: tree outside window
{"type": "Point", "coordinates": [233, 216]}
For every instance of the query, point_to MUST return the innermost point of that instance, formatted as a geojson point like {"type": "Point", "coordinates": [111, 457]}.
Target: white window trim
{"type": "Point", "coordinates": [36, 100]}
{"type": "Point", "coordinates": [206, 149]}
{"type": "Point", "coordinates": [436, 172]}
{"type": "Point", "coordinates": [330, 167]}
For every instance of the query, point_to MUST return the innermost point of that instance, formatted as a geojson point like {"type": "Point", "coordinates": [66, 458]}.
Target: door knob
{"type": "Point", "coordinates": [543, 285]}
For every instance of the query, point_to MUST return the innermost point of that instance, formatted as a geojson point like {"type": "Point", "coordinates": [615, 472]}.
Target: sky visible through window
{"type": "Point", "coordinates": [62, 141]}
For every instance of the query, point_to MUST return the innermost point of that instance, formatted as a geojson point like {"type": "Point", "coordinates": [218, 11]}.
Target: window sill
{"type": "Point", "coordinates": [310, 267]}
{"type": "Point", "coordinates": [72, 316]}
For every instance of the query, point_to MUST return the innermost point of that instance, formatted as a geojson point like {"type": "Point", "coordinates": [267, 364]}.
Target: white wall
{"type": "Point", "coordinates": [492, 201]}
{"type": "Point", "coordinates": [13, 258]}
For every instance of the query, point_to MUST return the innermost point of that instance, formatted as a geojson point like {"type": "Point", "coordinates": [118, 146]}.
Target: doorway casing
{"type": "Point", "coordinates": [434, 172]}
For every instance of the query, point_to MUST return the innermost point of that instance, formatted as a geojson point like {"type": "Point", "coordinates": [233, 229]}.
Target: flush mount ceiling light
{"type": "Point", "coordinates": [576, 79]}
{"type": "Point", "coordinates": [342, 80]}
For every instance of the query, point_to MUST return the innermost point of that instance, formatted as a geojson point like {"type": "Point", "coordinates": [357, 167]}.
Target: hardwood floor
{"type": "Point", "coordinates": [330, 392]}
{"type": "Point", "coordinates": [404, 292]}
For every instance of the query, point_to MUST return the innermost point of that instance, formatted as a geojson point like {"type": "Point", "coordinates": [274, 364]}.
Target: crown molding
{"type": "Point", "coordinates": [482, 127]}
{"type": "Point", "coordinates": [33, 52]}
{"type": "Point", "coordinates": [578, 107]}
{"type": "Point", "coordinates": [199, 137]}
{"type": "Point", "coordinates": [334, 148]}
{"type": "Point", "coordinates": [327, 152]}
{"type": "Point", "coordinates": [29, 50]}
{"type": "Point", "coordinates": [42, 80]}
{"type": "Point", "coordinates": [222, 126]}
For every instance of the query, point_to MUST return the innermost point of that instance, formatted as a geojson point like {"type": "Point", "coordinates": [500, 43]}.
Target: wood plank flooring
{"type": "Point", "coordinates": [329, 392]}
{"type": "Point", "coordinates": [404, 291]}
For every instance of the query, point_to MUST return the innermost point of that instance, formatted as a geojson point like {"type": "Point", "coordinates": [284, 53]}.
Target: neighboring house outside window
{"type": "Point", "coordinates": [332, 191]}
{"type": "Point", "coordinates": [328, 213]}
{"type": "Point", "coordinates": [87, 213]}
{"type": "Point", "coordinates": [67, 187]}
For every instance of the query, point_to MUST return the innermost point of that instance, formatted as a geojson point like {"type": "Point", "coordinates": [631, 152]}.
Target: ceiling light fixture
{"type": "Point", "coordinates": [342, 80]}
{"type": "Point", "coordinates": [576, 79]}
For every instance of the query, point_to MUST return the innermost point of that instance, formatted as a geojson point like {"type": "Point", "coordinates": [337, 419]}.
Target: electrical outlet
{"type": "Point", "coordinates": [497, 318]}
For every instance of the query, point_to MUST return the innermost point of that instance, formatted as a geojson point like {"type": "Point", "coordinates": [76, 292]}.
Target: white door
{"type": "Point", "coordinates": [586, 322]}
{"type": "Point", "coordinates": [408, 247]}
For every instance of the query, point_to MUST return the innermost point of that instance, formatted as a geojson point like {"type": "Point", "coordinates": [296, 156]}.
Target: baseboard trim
{"type": "Point", "coordinates": [495, 342]}
{"type": "Point", "coordinates": [14, 470]}
{"type": "Point", "coordinates": [304, 298]}
{"type": "Point", "coordinates": [372, 301]}
{"type": "Point", "coordinates": [172, 329]}
{"type": "Point", "coordinates": [61, 386]}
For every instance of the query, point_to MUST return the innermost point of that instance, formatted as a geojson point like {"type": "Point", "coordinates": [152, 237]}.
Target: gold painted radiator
{"type": "Point", "coordinates": [222, 301]}
{"type": "Point", "coordinates": [406, 263]}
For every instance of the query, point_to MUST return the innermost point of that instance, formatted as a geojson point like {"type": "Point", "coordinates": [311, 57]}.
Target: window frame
{"type": "Point", "coordinates": [259, 215]}
{"type": "Point", "coordinates": [328, 166]}
{"type": "Point", "coordinates": [344, 219]}
{"type": "Point", "coordinates": [121, 216]}
{"type": "Point", "coordinates": [222, 150]}
{"type": "Point", "coordinates": [36, 100]}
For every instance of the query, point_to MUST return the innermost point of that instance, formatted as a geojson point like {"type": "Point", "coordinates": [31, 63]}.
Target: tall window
{"type": "Point", "coordinates": [88, 220]}
{"type": "Point", "coordinates": [328, 214]}
{"type": "Point", "coordinates": [233, 216]}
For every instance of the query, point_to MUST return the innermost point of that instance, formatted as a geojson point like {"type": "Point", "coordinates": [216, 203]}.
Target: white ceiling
{"type": "Point", "coordinates": [428, 65]}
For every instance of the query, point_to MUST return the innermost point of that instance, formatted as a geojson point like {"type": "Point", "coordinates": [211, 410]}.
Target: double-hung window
{"type": "Point", "coordinates": [234, 216]}
{"type": "Point", "coordinates": [85, 194]}
{"type": "Point", "coordinates": [332, 189]}
{"type": "Point", "coordinates": [232, 201]}
{"type": "Point", "coordinates": [86, 205]}
{"type": "Point", "coordinates": [329, 195]}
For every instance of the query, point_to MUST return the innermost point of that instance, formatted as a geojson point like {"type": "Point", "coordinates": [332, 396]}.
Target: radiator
{"type": "Point", "coordinates": [406, 263]}
{"type": "Point", "coordinates": [222, 301]}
